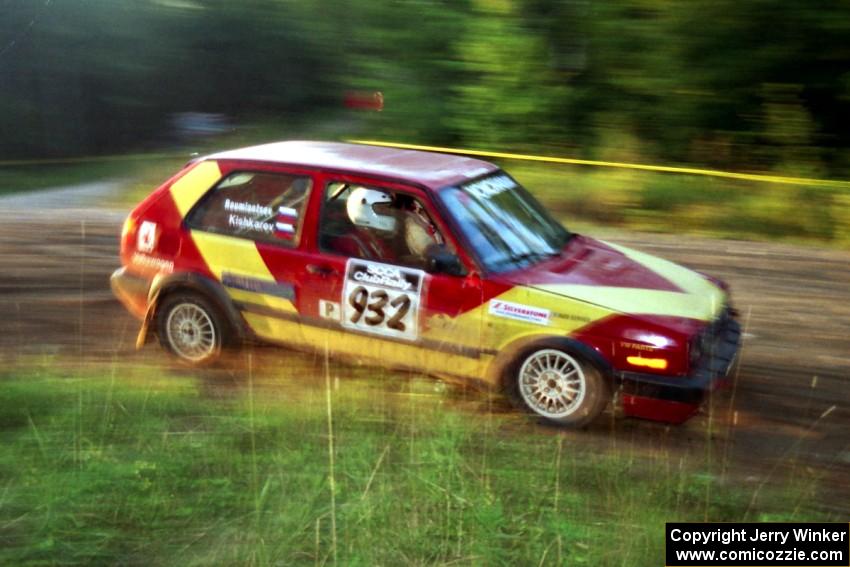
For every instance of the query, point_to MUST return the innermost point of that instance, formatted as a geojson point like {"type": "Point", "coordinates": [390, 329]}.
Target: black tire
{"type": "Point", "coordinates": [184, 317]}
{"type": "Point", "coordinates": [556, 385]}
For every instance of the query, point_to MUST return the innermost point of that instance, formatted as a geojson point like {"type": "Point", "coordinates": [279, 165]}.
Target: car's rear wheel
{"type": "Point", "coordinates": [558, 386]}
{"type": "Point", "coordinates": [191, 328]}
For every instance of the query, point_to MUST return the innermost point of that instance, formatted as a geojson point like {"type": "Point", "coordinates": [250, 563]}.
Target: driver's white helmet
{"type": "Point", "coordinates": [361, 209]}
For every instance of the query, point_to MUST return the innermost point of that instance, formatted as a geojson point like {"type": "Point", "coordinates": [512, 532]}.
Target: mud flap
{"type": "Point", "coordinates": [144, 331]}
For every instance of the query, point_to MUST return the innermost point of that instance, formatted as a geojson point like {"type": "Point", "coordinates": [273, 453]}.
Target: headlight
{"type": "Point", "coordinates": [695, 349]}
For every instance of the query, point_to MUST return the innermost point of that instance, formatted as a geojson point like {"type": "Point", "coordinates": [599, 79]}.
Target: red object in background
{"type": "Point", "coordinates": [360, 100]}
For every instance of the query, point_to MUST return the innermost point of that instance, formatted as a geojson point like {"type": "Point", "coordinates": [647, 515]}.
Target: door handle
{"type": "Point", "coordinates": [322, 270]}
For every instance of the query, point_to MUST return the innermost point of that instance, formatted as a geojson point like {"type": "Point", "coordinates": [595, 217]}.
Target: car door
{"type": "Point", "coordinates": [247, 229]}
{"type": "Point", "coordinates": [367, 296]}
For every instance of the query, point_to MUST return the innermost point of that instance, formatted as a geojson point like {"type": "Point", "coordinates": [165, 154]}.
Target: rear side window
{"type": "Point", "coordinates": [259, 206]}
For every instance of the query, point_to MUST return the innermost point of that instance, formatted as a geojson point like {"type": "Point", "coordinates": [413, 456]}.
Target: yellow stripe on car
{"type": "Point", "coordinates": [239, 257]}
{"type": "Point", "coordinates": [273, 328]}
{"type": "Point", "coordinates": [688, 280]}
{"type": "Point", "coordinates": [566, 316]}
{"type": "Point", "coordinates": [699, 298]}
{"type": "Point", "coordinates": [226, 253]}
{"type": "Point", "coordinates": [646, 301]}
{"type": "Point", "coordinates": [409, 355]}
{"type": "Point", "coordinates": [188, 189]}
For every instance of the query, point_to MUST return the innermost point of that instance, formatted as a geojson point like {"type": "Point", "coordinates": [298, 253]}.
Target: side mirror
{"type": "Point", "coordinates": [442, 261]}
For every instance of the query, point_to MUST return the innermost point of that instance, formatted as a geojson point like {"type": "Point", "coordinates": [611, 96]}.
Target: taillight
{"type": "Point", "coordinates": [127, 228]}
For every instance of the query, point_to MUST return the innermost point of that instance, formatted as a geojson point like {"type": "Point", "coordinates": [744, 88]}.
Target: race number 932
{"type": "Point", "coordinates": [382, 299]}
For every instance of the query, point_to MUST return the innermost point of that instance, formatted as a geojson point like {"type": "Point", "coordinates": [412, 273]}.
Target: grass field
{"type": "Point", "coordinates": [127, 464]}
{"type": "Point", "coordinates": [687, 204]}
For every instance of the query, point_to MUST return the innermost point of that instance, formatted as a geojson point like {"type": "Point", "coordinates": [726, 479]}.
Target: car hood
{"type": "Point", "coordinates": [624, 280]}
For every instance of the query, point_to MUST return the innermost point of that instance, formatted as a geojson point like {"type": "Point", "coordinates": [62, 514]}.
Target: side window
{"type": "Point", "coordinates": [254, 205]}
{"type": "Point", "coordinates": [376, 224]}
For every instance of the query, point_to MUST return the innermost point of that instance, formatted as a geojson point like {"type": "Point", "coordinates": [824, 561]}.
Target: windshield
{"type": "Point", "coordinates": [505, 226]}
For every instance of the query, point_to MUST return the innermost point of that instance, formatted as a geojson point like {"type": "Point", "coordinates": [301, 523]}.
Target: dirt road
{"type": "Point", "coordinates": [789, 409]}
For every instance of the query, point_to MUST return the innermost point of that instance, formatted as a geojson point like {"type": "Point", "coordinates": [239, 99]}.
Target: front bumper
{"type": "Point", "coordinates": [132, 290]}
{"type": "Point", "coordinates": [675, 398]}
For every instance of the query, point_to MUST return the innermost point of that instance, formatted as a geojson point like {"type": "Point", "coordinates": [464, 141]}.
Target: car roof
{"type": "Point", "coordinates": [429, 169]}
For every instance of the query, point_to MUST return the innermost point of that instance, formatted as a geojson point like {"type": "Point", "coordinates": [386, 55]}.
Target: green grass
{"type": "Point", "coordinates": [580, 196]}
{"type": "Point", "coordinates": [122, 465]}
{"type": "Point", "coordinates": [675, 203]}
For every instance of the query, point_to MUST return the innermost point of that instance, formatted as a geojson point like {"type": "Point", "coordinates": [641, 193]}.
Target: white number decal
{"type": "Point", "coordinates": [382, 299]}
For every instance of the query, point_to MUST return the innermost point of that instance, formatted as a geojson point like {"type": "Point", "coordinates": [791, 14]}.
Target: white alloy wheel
{"type": "Point", "coordinates": [552, 383]}
{"type": "Point", "coordinates": [190, 332]}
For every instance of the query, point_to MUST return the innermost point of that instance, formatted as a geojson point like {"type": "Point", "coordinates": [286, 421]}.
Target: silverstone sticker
{"type": "Point", "coordinates": [489, 187]}
{"type": "Point", "coordinates": [382, 299]}
{"type": "Point", "coordinates": [146, 239]}
{"type": "Point", "coordinates": [519, 312]}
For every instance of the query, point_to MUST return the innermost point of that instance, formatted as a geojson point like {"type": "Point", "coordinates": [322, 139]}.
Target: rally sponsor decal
{"type": "Point", "coordinates": [329, 310]}
{"type": "Point", "coordinates": [489, 187]}
{"type": "Point", "coordinates": [285, 222]}
{"type": "Point", "coordinates": [519, 312]}
{"type": "Point", "coordinates": [382, 299]}
{"type": "Point", "coordinates": [245, 283]}
{"type": "Point", "coordinates": [571, 317]}
{"type": "Point", "coordinates": [636, 346]}
{"type": "Point", "coordinates": [146, 238]}
{"type": "Point", "coordinates": [152, 262]}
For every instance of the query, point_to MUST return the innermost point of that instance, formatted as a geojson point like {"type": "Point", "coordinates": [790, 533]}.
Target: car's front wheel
{"type": "Point", "coordinates": [558, 386]}
{"type": "Point", "coordinates": [191, 328]}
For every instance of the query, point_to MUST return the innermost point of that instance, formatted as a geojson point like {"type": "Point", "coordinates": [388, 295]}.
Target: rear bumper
{"type": "Point", "coordinates": [676, 398]}
{"type": "Point", "coordinates": [131, 290]}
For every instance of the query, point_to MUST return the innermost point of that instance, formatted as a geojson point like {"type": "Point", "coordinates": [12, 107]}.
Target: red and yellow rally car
{"type": "Point", "coordinates": [427, 261]}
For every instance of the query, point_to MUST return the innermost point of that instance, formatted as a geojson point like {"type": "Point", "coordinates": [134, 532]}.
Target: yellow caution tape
{"type": "Point", "coordinates": [762, 177]}
{"type": "Point", "coordinates": [834, 184]}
